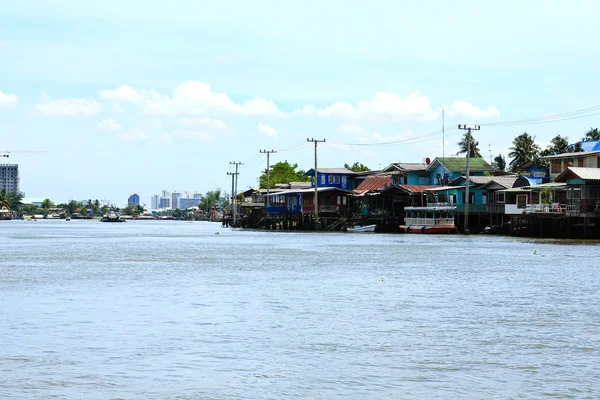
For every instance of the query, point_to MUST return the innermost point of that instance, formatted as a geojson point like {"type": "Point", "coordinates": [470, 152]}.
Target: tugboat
{"type": "Point", "coordinates": [112, 217]}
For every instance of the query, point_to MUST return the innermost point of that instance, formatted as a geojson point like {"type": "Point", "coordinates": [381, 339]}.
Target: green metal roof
{"type": "Point", "coordinates": [460, 164]}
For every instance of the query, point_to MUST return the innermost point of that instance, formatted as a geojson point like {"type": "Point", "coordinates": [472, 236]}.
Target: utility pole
{"type": "Point", "coordinates": [316, 142]}
{"type": "Point", "coordinates": [268, 153]}
{"type": "Point", "coordinates": [468, 129]}
{"type": "Point", "coordinates": [443, 136]}
{"type": "Point", "coordinates": [234, 176]}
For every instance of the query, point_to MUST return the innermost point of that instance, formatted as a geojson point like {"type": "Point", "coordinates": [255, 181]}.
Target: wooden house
{"type": "Point", "coordinates": [332, 177]}
{"type": "Point", "coordinates": [444, 170]}
{"type": "Point", "coordinates": [561, 162]}
{"type": "Point", "coordinates": [583, 191]}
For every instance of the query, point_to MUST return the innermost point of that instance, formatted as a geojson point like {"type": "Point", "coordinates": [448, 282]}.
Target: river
{"type": "Point", "coordinates": [178, 310]}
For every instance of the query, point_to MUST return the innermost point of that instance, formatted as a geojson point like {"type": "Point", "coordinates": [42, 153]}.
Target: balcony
{"type": "Point", "coordinates": [473, 208]}
{"type": "Point", "coordinates": [283, 209]}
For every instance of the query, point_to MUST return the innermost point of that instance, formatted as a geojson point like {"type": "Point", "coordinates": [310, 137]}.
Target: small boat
{"type": "Point", "coordinates": [429, 220]}
{"type": "Point", "coordinates": [112, 217]}
{"type": "Point", "coordinates": [362, 228]}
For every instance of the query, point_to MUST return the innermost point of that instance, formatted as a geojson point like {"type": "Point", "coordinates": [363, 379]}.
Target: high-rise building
{"type": "Point", "coordinates": [187, 202]}
{"type": "Point", "coordinates": [154, 202]}
{"type": "Point", "coordinates": [9, 177]}
{"type": "Point", "coordinates": [164, 202]}
{"type": "Point", "coordinates": [175, 195]}
{"type": "Point", "coordinates": [134, 199]}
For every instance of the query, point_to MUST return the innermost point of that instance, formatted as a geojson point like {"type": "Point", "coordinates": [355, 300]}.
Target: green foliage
{"type": "Point", "coordinates": [10, 200]}
{"type": "Point", "coordinates": [210, 199]}
{"type": "Point", "coordinates": [500, 162]}
{"type": "Point", "coordinates": [524, 149]}
{"type": "Point", "coordinates": [592, 134]}
{"type": "Point", "coordinates": [47, 203]}
{"type": "Point", "coordinates": [545, 195]}
{"type": "Point", "coordinates": [72, 206]}
{"type": "Point", "coordinates": [357, 167]}
{"type": "Point", "coordinates": [463, 147]}
{"type": "Point", "coordinates": [283, 172]}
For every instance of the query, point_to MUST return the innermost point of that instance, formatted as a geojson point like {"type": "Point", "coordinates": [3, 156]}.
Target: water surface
{"type": "Point", "coordinates": [171, 310]}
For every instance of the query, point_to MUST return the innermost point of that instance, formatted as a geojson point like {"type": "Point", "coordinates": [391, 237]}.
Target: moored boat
{"type": "Point", "coordinates": [112, 217]}
{"type": "Point", "coordinates": [429, 220]}
{"type": "Point", "coordinates": [362, 228]}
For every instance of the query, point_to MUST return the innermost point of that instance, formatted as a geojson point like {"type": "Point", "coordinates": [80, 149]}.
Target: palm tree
{"type": "Point", "coordinates": [462, 145]}
{"type": "Point", "coordinates": [592, 134]}
{"type": "Point", "coordinates": [500, 162]}
{"type": "Point", "coordinates": [524, 149]}
{"type": "Point", "coordinates": [10, 200]}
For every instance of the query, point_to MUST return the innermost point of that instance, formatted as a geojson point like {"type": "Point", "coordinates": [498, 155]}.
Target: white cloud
{"type": "Point", "coordinates": [414, 106]}
{"type": "Point", "coordinates": [8, 100]}
{"type": "Point", "coordinates": [110, 125]}
{"type": "Point", "coordinates": [123, 93]}
{"type": "Point", "coordinates": [463, 108]}
{"type": "Point", "coordinates": [70, 107]}
{"type": "Point", "coordinates": [266, 130]}
{"type": "Point", "coordinates": [190, 98]}
{"type": "Point", "coordinates": [203, 122]}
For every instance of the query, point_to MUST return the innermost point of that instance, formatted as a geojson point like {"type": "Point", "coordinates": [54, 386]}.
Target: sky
{"type": "Point", "coordinates": [140, 96]}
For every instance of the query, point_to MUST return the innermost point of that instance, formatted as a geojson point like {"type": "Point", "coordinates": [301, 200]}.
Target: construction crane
{"type": "Point", "coordinates": [7, 153]}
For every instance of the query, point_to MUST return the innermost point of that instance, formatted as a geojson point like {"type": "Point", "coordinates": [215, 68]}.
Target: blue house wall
{"type": "Point", "coordinates": [339, 181]}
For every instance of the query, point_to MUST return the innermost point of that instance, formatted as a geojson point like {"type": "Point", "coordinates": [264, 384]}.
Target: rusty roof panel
{"type": "Point", "coordinates": [373, 183]}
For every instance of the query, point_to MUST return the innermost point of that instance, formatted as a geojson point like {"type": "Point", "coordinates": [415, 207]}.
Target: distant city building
{"type": "Point", "coordinates": [154, 202]}
{"type": "Point", "coordinates": [134, 199]}
{"type": "Point", "coordinates": [164, 202]}
{"type": "Point", "coordinates": [175, 195]}
{"type": "Point", "coordinates": [9, 177]}
{"type": "Point", "coordinates": [187, 202]}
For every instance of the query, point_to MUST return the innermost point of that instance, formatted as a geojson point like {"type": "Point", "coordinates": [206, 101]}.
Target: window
{"type": "Point", "coordinates": [598, 162]}
{"type": "Point", "coordinates": [484, 198]}
{"type": "Point", "coordinates": [522, 201]}
{"type": "Point", "coordinates": [555, 168]}
{"type": "Point", "coordinates": [500, 197]}
{"type": "Point", "coordinates": [322, 179]}
{"type": "Point", "coordinates": [344, 200]}
{"type": "Point", "coordinates": [580, 162]}
{"type": "Point", "coordinates": [339, 200]}
{"type": "Point", "coordinates": [335, 179]}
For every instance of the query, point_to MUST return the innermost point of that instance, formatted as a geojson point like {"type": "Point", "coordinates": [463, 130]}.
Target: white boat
{"type": "Point", "coordinates": [364, 228]}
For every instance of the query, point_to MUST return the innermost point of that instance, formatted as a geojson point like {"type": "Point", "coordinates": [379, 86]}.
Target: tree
{"type": "Point", "coordinates": [211, 198]}
{"type": "Point", "coordinates": [524, 149]}
{"type": "Point", "coordinates": [560, 145]}
{"type": "Point", "coordinates": [500, 162]}
{"type": "Point", "coordinates": [10, 200]}
{"type": "Point", "coordinates": [357, 167]}
{"type": "Point", "coordinates": [463, 144]}
{"type": "Point", "coordinates": [283, 172]}
{"type": "Point", "coordinates": [592, 134]}
{"type": "Point", "coordinates": [72, 207]}
{"type": "Point", "coordinates": [47, 204]}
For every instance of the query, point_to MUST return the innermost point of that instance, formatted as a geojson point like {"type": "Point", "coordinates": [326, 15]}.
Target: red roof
{"type": "Point", "coordinates": [373, 183]}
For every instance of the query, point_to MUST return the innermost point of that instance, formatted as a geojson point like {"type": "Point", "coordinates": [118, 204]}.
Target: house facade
{"type": "Point", "coordinates": [332, 177]}
{"type": "Point", "coordinates": [561, 162]}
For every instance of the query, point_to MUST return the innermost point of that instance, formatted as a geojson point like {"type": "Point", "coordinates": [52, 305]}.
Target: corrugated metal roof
{"type": "Point", "coordinates": [416, 188]}
{"type": "Point", "coordinates": [591, 145]}
{"type": "Point", "coordinates": [442, 188]}
{"type": "Point", "coordinates": [373, 183]}
{"type": "Point", "coordinates": [344, 171]}
{"type": "Point", "coordinates": [551, 185]}
{"type": "Point", "coordinates": [586, 174]}
{"type": "Point", "coordinates": [394, 167]}
{"type": "Point", "coordinates": [571, 155]}
{"type": "Point", "coordinates": [460, 164]}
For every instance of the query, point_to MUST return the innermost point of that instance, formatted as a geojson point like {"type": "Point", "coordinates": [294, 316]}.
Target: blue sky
{"type": "Point", "coordinates": [140, 96]}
